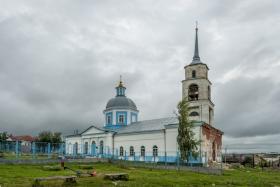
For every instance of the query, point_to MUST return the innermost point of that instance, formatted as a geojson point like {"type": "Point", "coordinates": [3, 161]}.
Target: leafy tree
{"type": "Point", "coordinates": [56, 138]}
{"type": "Point", "coordinates": [3, 136]}
{"type": "Point", "coordinates": [186, 140]}
{"type": "Point", "coordinates": [50, 137]}
{"type": "Point", "coordinates": [248, 161]}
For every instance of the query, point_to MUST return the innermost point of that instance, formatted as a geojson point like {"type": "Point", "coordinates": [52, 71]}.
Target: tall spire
{"type": "Point", "coordinates": [196, 53]}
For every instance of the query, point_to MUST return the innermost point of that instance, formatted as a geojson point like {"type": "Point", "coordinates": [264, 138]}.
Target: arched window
{"type": "Point", "coordinates": [101, 147]}
{"type": "Point", "coordinates": [193, 74]}
{"type": "Point", "coordinates": [76, 148]}
{"type": "Point", "coordinates": [193, 92]}
{"type": "Point", "coordinates": [142, 151]}
{"type": "Point", "coordinates": [209, 92]}
{"type": "Point", "coordinates": [155, 151]}
{"type": "Point", "coordinates": [194, 114]}
{"type": "Point", "coordinates": [86, 148]}
{"type": "Point", "coordinates": [131, 151]}
{"type": "Point", "coordinates": [121, 151]}
{"type": "Point", "coordinates": [109, 120]}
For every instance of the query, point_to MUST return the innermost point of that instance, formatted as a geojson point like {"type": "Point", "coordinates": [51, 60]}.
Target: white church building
{"type": "Point", "coordinates": [124, 137]}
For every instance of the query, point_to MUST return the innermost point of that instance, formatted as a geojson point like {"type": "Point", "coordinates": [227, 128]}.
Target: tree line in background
{"type": "Point", "coordinates": [3, 136]}
{"type": "Point", "coordinates": [44, 136]}
{"type": "Point", "coordinates": [50, 137]}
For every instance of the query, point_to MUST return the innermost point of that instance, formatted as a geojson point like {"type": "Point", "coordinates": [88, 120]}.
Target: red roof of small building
{"type": "Point", "coordinates": [27, 138]}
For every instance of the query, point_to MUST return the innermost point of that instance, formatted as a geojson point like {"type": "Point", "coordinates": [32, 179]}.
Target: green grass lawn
{"type": "Point", "coordinates": [23, 175]}
{"type": "Point", "coordinates": [26, 156]}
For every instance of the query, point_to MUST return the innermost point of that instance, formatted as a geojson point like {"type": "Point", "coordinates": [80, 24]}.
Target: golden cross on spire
{"type": "Point", "coordinates": [121, 84]}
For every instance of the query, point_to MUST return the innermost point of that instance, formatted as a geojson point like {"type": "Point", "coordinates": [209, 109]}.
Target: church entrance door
{"type": "Point", "coordinates": [93, 148]}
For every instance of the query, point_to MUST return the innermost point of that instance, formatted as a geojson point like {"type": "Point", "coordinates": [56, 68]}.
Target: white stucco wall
{"type": "Point", "coordinates": [165, 140]}
{"type": "Point", "coordinates": [89, 136]}
{"type": "Point", "coordinates": [137, 140]}
{"type": "Point", "coordinates": [70, 141]}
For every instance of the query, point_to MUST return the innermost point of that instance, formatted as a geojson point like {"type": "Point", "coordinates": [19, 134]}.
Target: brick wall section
{"type": "Point", "coordinates": [212, 142]}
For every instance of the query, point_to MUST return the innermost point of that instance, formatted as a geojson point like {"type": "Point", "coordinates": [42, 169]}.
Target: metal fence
{"type": "Point", "coordinates": [10, 150]}
{"type": "Point", "coordinates": [130, 154]}
{"type": "Point", "coordinates": [30, 150]}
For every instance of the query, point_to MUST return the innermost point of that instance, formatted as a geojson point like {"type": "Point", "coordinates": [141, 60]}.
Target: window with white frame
{"type": "Point", "coordinates": [121, 151]}
{"type": "Point", "coordinates": [142, 151]}
{"type": "Point", "coordinates": [109, 119]}
{"type": "Point", "coordinates": [121, 118]}
{"type": "Point", "coordinates": [155, 151]}
{"type": "Point", "coordinates": [131, 151]}
{"type": "Point", "coordinates": [133, 118]}
{"type": "Point", "coordinates": [86, 148]}
{"type": "Point", "coordinates": [101, 147]}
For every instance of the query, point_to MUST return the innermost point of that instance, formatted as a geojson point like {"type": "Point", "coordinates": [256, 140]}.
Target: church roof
{"type": "Point", "coordinates": [143, 126]}
{"type": "Point", "coordinates": [148, 125]}
{"type": "Point", "coordinates": [121, 102]}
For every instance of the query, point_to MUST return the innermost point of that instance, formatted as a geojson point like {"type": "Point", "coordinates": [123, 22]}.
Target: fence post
{"type": "Point", "coordinates": [177, 160]}
{"type": "Point", "coordinates": [125, 155]}
{"type": "Point", "coordinates": [74, 150]}
{"type": "Point", "coordinates": [225, 155]}
{"type": "Point", "coordinates": [165, 159]}
{"type": "Point", "coordinates": [253, 161]}
{"type": "Point", "coordinates": [117, 153]}
{"type": "Point", "coordinates": [206, 159]}
{"type": "Point", "coordinates": [33, 150]}
{"type": "Point", "coordinates": [221, 165]}
{"type": "Point", "coordinates": [49, 150]}
{"type": "Point", "coordinates": [62, 148]}
{"type": "Point", "coordinates": [108, 152]}
{"type": "Point", "coordinates": [17, 147]}
{"type": "Point", "coordinates": [191, 158]}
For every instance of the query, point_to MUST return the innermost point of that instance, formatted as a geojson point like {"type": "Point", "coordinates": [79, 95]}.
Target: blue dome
{"type": "Point", "coordinates": [121, 102]}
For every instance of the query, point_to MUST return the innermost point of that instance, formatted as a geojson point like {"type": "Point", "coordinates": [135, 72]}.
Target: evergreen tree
{"type": "Point", "coordinates": [3, 136]}
{"type": "Point", "coordinates": [186, 140]}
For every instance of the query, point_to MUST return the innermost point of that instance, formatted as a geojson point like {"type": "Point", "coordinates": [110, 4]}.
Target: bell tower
{"type": "Point", "coordinates": [197, 88]}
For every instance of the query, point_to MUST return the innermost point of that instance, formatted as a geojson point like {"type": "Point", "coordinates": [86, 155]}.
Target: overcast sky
{"type": "Point", "coordinates": [60, 61]}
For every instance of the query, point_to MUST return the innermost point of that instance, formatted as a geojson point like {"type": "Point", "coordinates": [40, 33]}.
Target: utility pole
{"type": "Point", "coordinates": [225, 155]}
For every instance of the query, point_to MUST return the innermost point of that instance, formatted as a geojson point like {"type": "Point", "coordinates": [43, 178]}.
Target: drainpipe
{"type": "Point", "coordinates": [164, 133]}
{"type": "Point", "coordinates": [200, 142]}
{"type": "Point", "coordinates": [200, 112]}
{"type": "Point", "coordinates": [113, 144]}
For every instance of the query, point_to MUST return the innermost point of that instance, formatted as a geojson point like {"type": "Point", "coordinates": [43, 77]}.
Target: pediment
{"type": "Point", "coordinates": [93, 130]}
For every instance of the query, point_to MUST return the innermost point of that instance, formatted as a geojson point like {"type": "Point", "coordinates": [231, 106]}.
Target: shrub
{"type": "Point", "coordinates": [51, 168]}
{"type": "Point", "coordinates": [248, 161]}
{"type": "Point", "coordinates": [123, 166]}
{"type": "Point", "coordinates": [1, 154]}
{"type": "Point", "coordinates": [85, 167]}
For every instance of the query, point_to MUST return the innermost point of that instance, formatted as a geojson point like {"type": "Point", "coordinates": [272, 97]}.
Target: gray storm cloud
{"type": "Point", "coordinates": [60, 61]}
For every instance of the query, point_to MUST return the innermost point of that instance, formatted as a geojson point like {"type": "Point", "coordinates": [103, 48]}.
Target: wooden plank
{"type": "Point", "coordinates": [56, 178]}
{"type": "Point", "coordinates": [67, 179]}
{"type": "Point", "coordinates": [116, 176]}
